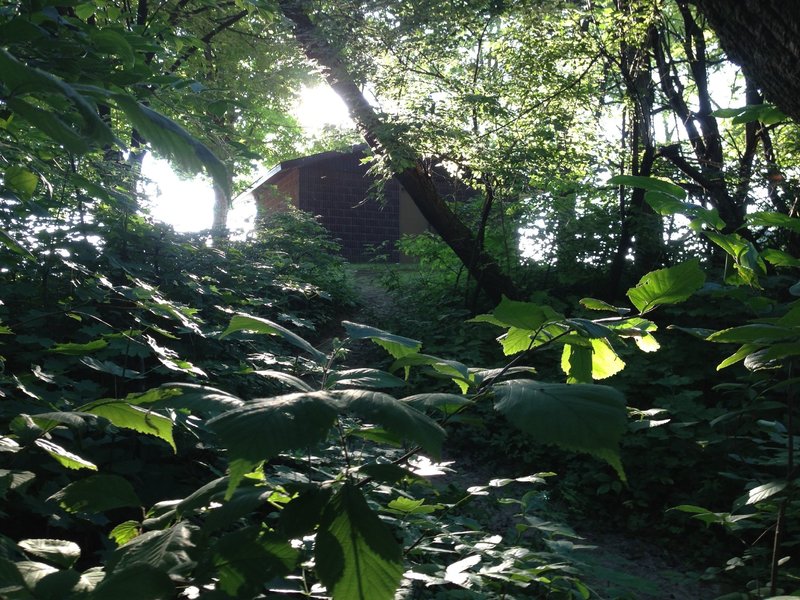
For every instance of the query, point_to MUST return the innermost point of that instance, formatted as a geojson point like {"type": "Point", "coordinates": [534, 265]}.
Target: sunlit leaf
{"type": "Point", "coordinates": [125, 532]}
{"type": "Point", "coordinates": [259, 325]}
{"type": "Point", "coordinates": [667, 286]}
{"type": "Point", "coordinates": [396, 345]}
{"type": "Point", "coordinates": [168, 550]}
{"type": "Point", "coordinates": [58, 552]}
{"type": "Point", "coordinates": [21, 181]}
{"type": "Point", "coordinates": [64, 457]}
{"type": "Point", "coordinates": [127, 416]}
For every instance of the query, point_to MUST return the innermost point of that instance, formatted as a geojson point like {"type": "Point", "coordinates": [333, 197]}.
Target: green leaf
{"type": "Point", "coordinates": [760, 493]}
{"type": "Point", "coordinates": [50, 124]}
{"type": "Point", "coordinates": [61, 553]}
{"type": "Point", "coordinates": [64, 457]}
{"type": "Point", "coordinates": [302, 514]}
{"type": "Point", "coordinates": [779, 258]}
{"type": "Point", "coordinates": [22, 79]}
{"type": "Point", "coordinates": [576, 362]}
{"type": "Point", "coordinates": [407, 506]}
{"type": "Point", "coordinates": [139, 581]}
{"type": "Point", "coordinates": [127, 416]}
{"type": "Point", "coordinates": [445, 403]}
{"type": "Point", "coordinates": [125, 532]}
{"type": "Point", "coordinates": [397, 346]}
{"type": "Point", "coordinates": [286, 378]}
{"type": "Point", "coordinates": [749, 264]}
{"type": "Point", "coordinates": [244, 322]}
{"type": "Point", "coordinates": [650, 184]}
{"type": "Point", "coordinates": [755, 333]}
{"type": "Point", "coordinates": [14, 246]}
{"type": "Point", "coordinates": [106, 366]}
{"type": "Point", "coordinates": [96, 494]}
{"type": "Point", "coordinates": [667, 286]}
{"type": "Point", "coordinates": [666, 204]}
{"type": "Point", "coordinates": [521, 315]}
{"type": "Point", "coordinates": [79, 349]}
{"type": "Point", "coordinates": [168, 550]}
{"type": "Point", "coordinates": [368, 378]}
{"type": "Point", "coordinates": [773, 219]}
{"type": "Point", "coordinates": [397, 417]}
{"type": "Point", "coordinates": [580, 417]}
{"type": "Point", "coordinates": [357, 557]}
{"type": "Point", "coordinates": [605, 361]}
{"type": "Point", "coordinates": [246, 559]}
{"type": "Point", "coordinates": [21, 181]}
{"type": "Point", "coordinates": [594, 304]}
{"type": "Point", "coordinates": [198, 399]}
{"type": "Point", "coordinates": [113, 42]}
{"type": "Point", "coordinates": [264, 428]}
{"type": "Point", "coordinates": [174, 142]}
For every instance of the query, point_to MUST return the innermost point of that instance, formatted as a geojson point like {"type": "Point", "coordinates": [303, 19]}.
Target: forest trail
{"type": "Point", "coordinates": [614, 565]}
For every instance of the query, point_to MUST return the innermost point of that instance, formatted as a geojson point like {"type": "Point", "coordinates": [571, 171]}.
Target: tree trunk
{"type": "Point", "coordinates": [763, 36]}
{"type": "Point", "coordinates": [408, 169]}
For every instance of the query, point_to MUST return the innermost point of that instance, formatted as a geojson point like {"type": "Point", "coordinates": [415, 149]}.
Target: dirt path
{"type": "Point", "coordinates": [614, 566]}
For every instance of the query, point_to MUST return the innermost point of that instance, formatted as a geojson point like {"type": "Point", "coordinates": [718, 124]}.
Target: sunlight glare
{"type": "Point", "coordinates": [319, 107]}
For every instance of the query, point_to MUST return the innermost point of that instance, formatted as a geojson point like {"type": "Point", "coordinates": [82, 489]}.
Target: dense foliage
{"type": "Point", "coordinates": [196, 417]}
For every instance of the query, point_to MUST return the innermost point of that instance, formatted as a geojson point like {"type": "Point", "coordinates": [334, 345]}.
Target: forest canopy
{"type": "Point", "coordinates": [604, 330]}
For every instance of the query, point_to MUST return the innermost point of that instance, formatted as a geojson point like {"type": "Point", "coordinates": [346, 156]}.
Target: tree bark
{"type": "Point", "coordinates": [407, 167]}
{"type": "Point", "coordinates": [763, 36]}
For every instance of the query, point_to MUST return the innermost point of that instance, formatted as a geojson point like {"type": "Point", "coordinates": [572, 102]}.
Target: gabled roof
{"type": "Point", "coordinates": [303, 161]}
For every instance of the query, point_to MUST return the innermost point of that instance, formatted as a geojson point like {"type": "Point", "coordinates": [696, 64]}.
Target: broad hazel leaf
{"type": "Point", "coordinates": [168, 550]}
{"type": "Point", "coordinates": [576, 362]}
{"type": "Point", "coordinates": [63, 456]}
{"type": "Point", "coordinates": [264, 428]}
{"type": "Point", "coordinates": [605, 361]}
{"type": "Point", "coordinates": [149, 583]}
{"type": "Point", "coordinates": [667, 286]}
{"type": "Point", "coordinates": [357, 557]}
{"type": "Point", "coordinates": [521, 315]}
{"type": "Point", "coordinates": [58, 552]}
{"type": "Point", "coordinates": [368, 378]}
{"type": "Point", "coordinates": [396, 417]}
{"type": "Point", "coordinates": [579, 417]}
{"type": "Point", "coordinates": [246, 559]}
{"type": "Point", "coordinates": [396, 345]}
{"type": "Point", "coordinates": [20, 180]}
{"type": "Point", "coordinates": [127, 416]}
{"type": "Point", "coordinates": [174, 142]}
{"type": "Point", "coordinates": [244, 322]}
{"type": "Point", "coordinates": [96, 494]}
{"type": "Point", "coordinates": [594, 304]}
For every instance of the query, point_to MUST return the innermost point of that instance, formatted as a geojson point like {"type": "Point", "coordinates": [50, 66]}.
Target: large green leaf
{"type": "Point", "coordinates": [21, 181]}
{"type": "Point", "coordinates": [396, 345]}
{"type": "Point", "coordinates": [650, 184]}
{"type": "Point", "coordinates": [96, 494]}
{"type": "Point", "coordinates": [127, 416]}
{"type": "Point", "coordinates": [246, 559]}
{"type": "Point", "coordinates": [264, 428]}
{"type": "Point", "coordinates": [139, 581]}
{"type": "Point", "coordinates": [357, 557]}
{"type": "Point", "coordinates": [63, 456]}
{"type": "Point", "coordinates": [399, 418]}
{"type": "Point", "coordinates": [168, 550]}
{"type": "Point", "coordinates": [368, 378]}
{"type": "Point", "coordinates": [58, 552]}
{"type": "Point", "coordinates": [14, 246]}
{"type": "Point", "coordinates": [580, 417]}
{"type": "Point", "coordinates": [248, 323]}
{"type": "Point", "coordinates": [22, 79]}
{"type": "Point", "coordinates": [773, 219]}
{"type": "Point", "coordinates": [667, 286]}
{"type": "Point", "coordinates": [174, 142]}
{"type": "Point", "coordinates": [522, 315]}
{"type": "Point", "coordinates": [50, 124]}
